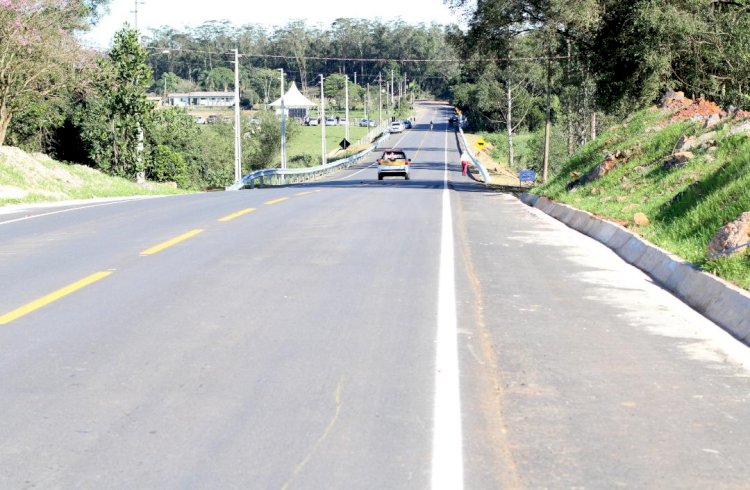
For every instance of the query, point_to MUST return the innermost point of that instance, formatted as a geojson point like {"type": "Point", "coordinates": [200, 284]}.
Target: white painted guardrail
{"type": "Point", "coordinates": [277, 176]}
{"type": "Point", "coordinates": [475, 160]}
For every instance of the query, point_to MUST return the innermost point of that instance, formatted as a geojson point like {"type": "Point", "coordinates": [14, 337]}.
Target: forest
{"type": "Point", "coordinates": [542, 77]}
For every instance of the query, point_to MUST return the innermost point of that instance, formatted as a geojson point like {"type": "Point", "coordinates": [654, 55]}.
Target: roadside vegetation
{"type": "Point", "coordinates": [29, 178]}
{"type": "Point", "coordinates": [682, 204]}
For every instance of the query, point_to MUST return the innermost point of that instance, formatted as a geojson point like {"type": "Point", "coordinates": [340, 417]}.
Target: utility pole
{"type": "Point", "coordinates": [380, 98]}
{"type": "Point", "coordinates": [392, 104]}
{"type": "Point", "coordinates": [324, 158]}
{"type": "Point", "coordinates": [346, 107]}
{"type": "Point", "coordinates": [135, 14]}
{"type": "Point", "coordinates": [140, 173]}
{"type": "Point", "coordinates": [283, 124]}
{"type": "Point", "coordinates": [237, 129]}
{"type": "Point", "coordinates": [367, 98]}
{"type": "Point", "coordinates": [548, 117]}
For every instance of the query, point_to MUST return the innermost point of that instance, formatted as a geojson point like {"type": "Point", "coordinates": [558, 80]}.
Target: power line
{"type": "Point", "coordinates": [373, 60]}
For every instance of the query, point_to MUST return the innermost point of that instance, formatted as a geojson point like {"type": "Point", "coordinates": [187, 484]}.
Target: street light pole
{"type": "Point", "coordinates": [237, 129]}
{"type": "Point", "coordinates": [392, 87]}
{"type": "Point", "coordinates": [324, 158]}
{"type": "Point", "coordinates": [380, 98]}
{"type": "Point", "coordinates": [346, 107]}
{"type": "Point", "coordinates": [283, 123]}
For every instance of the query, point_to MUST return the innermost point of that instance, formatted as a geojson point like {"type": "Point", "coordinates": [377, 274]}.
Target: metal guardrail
{"type": "Point", "coordinates": [277, 176]}
{"type": "Point", "coordinates": [477, 163]}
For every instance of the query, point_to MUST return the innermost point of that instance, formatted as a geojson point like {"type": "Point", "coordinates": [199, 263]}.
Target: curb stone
{"type": "Point", "coordinates": [721, 302]}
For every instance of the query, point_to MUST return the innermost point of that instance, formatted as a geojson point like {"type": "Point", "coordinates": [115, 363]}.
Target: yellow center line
{"type": "Point", "coordinates": [169, 243]}
{"type": "Point", "coordinates": [52, 297]}
{"type": "Point", "coordinates": [303, 193]}
{"type": "Point", "coordinates": [275, 201]}
{"type": "Point", "coordinates": [237, 214]}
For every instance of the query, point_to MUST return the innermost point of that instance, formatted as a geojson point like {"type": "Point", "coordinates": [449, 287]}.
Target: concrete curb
{"type": "Point", "coordinates": [725, 304]}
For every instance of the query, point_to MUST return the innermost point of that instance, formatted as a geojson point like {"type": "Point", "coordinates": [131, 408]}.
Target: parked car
{"type": "Point", "coordinates": [313, 121]}
{"type": "Point", "coordinates": [393, 162]}
{"type": "Point", "coordinates": [212, 119]}
{"type": "Point", "coordinates": [200, 120]}
{"type": "Point", "coordinates": [407, 123]}
{"type": "Point", "coordinates": [343, 121]}
{"type": "Point", "coordinates": [397, 127]}
{"type": "Point", "coordinates": [330, 121]}
{"type": "Point", "coordinates": [368, 123]}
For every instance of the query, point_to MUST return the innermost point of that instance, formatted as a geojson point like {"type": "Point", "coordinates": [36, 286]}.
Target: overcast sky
{"type": "Point", "coordinates": [190, 13]}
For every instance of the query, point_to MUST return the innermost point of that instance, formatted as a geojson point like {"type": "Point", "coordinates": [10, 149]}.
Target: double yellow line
{"type": "Point", "coordinates": [98, 276]}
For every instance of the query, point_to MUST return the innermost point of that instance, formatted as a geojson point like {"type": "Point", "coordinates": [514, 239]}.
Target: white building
{"type": "Point", "coordinates": [201, 99]}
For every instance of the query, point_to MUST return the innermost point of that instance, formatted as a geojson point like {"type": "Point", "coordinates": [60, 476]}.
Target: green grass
{"type": "Point", "coordinates": [308, 142]}
{"type": "Point", "coordinates": [685, 206]}
{"type": "Point", "coordinates": [522, 151]}
{"type": "Point", "coordinates": [47, 180]}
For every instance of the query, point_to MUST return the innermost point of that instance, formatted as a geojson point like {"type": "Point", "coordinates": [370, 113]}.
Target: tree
{"type": "Point", "coordinates": [117, 112]}
{"type": "Point", "coordinates": [295, 39]}
{"type": "Point", "coordinates": [334, 86]}
{"type": "Point", "coordinates": [218, 78]}
{"type": "Point", "coordinates": [39, 55]}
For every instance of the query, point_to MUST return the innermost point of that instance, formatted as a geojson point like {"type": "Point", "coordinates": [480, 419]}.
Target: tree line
{"type": "Point", "coordinates": [564, 69]}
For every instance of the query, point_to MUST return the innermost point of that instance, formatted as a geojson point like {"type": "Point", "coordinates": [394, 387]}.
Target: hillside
{"type": "Point", "coordinates": [26, 178]}
{"type": "Point", "coordinates": [676, 174]}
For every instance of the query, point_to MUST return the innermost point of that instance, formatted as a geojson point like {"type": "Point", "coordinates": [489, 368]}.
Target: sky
{"type": "Point", "coordinates": [180, 14]}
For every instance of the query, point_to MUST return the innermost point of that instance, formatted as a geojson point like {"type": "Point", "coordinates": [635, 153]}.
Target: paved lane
{"type": "Point", "coordinates": [290, 346]}
{"type": "Point", "coordinates": [579, 372]}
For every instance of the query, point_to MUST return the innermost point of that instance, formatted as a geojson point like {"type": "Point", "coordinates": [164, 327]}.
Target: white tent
{"type": "Point", "coordinates": [295, 103]}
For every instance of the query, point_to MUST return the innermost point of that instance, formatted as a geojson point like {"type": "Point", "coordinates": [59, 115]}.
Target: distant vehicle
{"type": "Point", "coordinates": [200, 120]}
{"type": "Point", "coordinates": [212, 119]}
{"type": "Point", "coordinates": [368, 123]}
{"type": "Point", "coordinates": [343, 121]}
{"type": "Point", "coordinates": [407, 123]}
{"type": "Point", "coordinates": [456, 120]}
{"type": "Point", "coordinates": [393, 162]}
{"type": "Point", "coordinates": [313, 122]}
{"type": "Point", "coordinates": [397, 127]}
{"type": "Point", "coordinates": [330, 121]}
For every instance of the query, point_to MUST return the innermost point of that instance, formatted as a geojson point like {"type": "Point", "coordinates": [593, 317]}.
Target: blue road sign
{"type": "Point", "coordinates": [527, 176]}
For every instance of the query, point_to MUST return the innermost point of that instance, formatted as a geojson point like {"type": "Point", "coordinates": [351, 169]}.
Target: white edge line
{"type": "Point", "coordinates": [447, 442]}
{"type": "Point", "coordinates": [77, 208]}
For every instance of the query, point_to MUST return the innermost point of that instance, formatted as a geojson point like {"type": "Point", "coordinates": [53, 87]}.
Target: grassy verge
{"type": "Point", "coordinates": [685, 205]}
{"type": "Point", "coordinates": [305, 149]}
{"type": "Point", "coordinates": [26, 178]}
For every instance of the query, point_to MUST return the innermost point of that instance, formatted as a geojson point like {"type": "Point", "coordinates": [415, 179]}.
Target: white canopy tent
{"type": "Point", "coordinates": [295, 104]}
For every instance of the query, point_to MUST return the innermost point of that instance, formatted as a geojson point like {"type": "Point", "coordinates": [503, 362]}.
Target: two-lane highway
{"type": "Point", "coordinates": [352, 333]}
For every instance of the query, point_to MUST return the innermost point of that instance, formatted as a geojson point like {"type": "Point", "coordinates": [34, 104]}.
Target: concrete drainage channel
{"type": "Point", "coordinates": [725, 304]}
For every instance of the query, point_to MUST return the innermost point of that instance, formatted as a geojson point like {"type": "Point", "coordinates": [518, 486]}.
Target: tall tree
{"type": "Point", "coordinates": [117, 112]}
{"type": "Point", "coordinates": [39, 55]}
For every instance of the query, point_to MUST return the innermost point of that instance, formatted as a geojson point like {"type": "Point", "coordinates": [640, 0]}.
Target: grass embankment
{"type": "Point", "coordinates": [28, 178]}
{"type": "Point", "coordinates": [685, 204]}
{"type": "Point", "coordinates": [308, 142]}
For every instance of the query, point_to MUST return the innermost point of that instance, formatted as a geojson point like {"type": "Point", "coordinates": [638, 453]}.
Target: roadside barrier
{"type": "Point", "coordinates": [277, 176]}
{"type": "Point", "coordinates": [475, 161]}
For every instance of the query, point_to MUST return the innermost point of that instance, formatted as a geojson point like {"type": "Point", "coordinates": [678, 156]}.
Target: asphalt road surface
{"type": "Point", "coordinates": [352, 334]}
